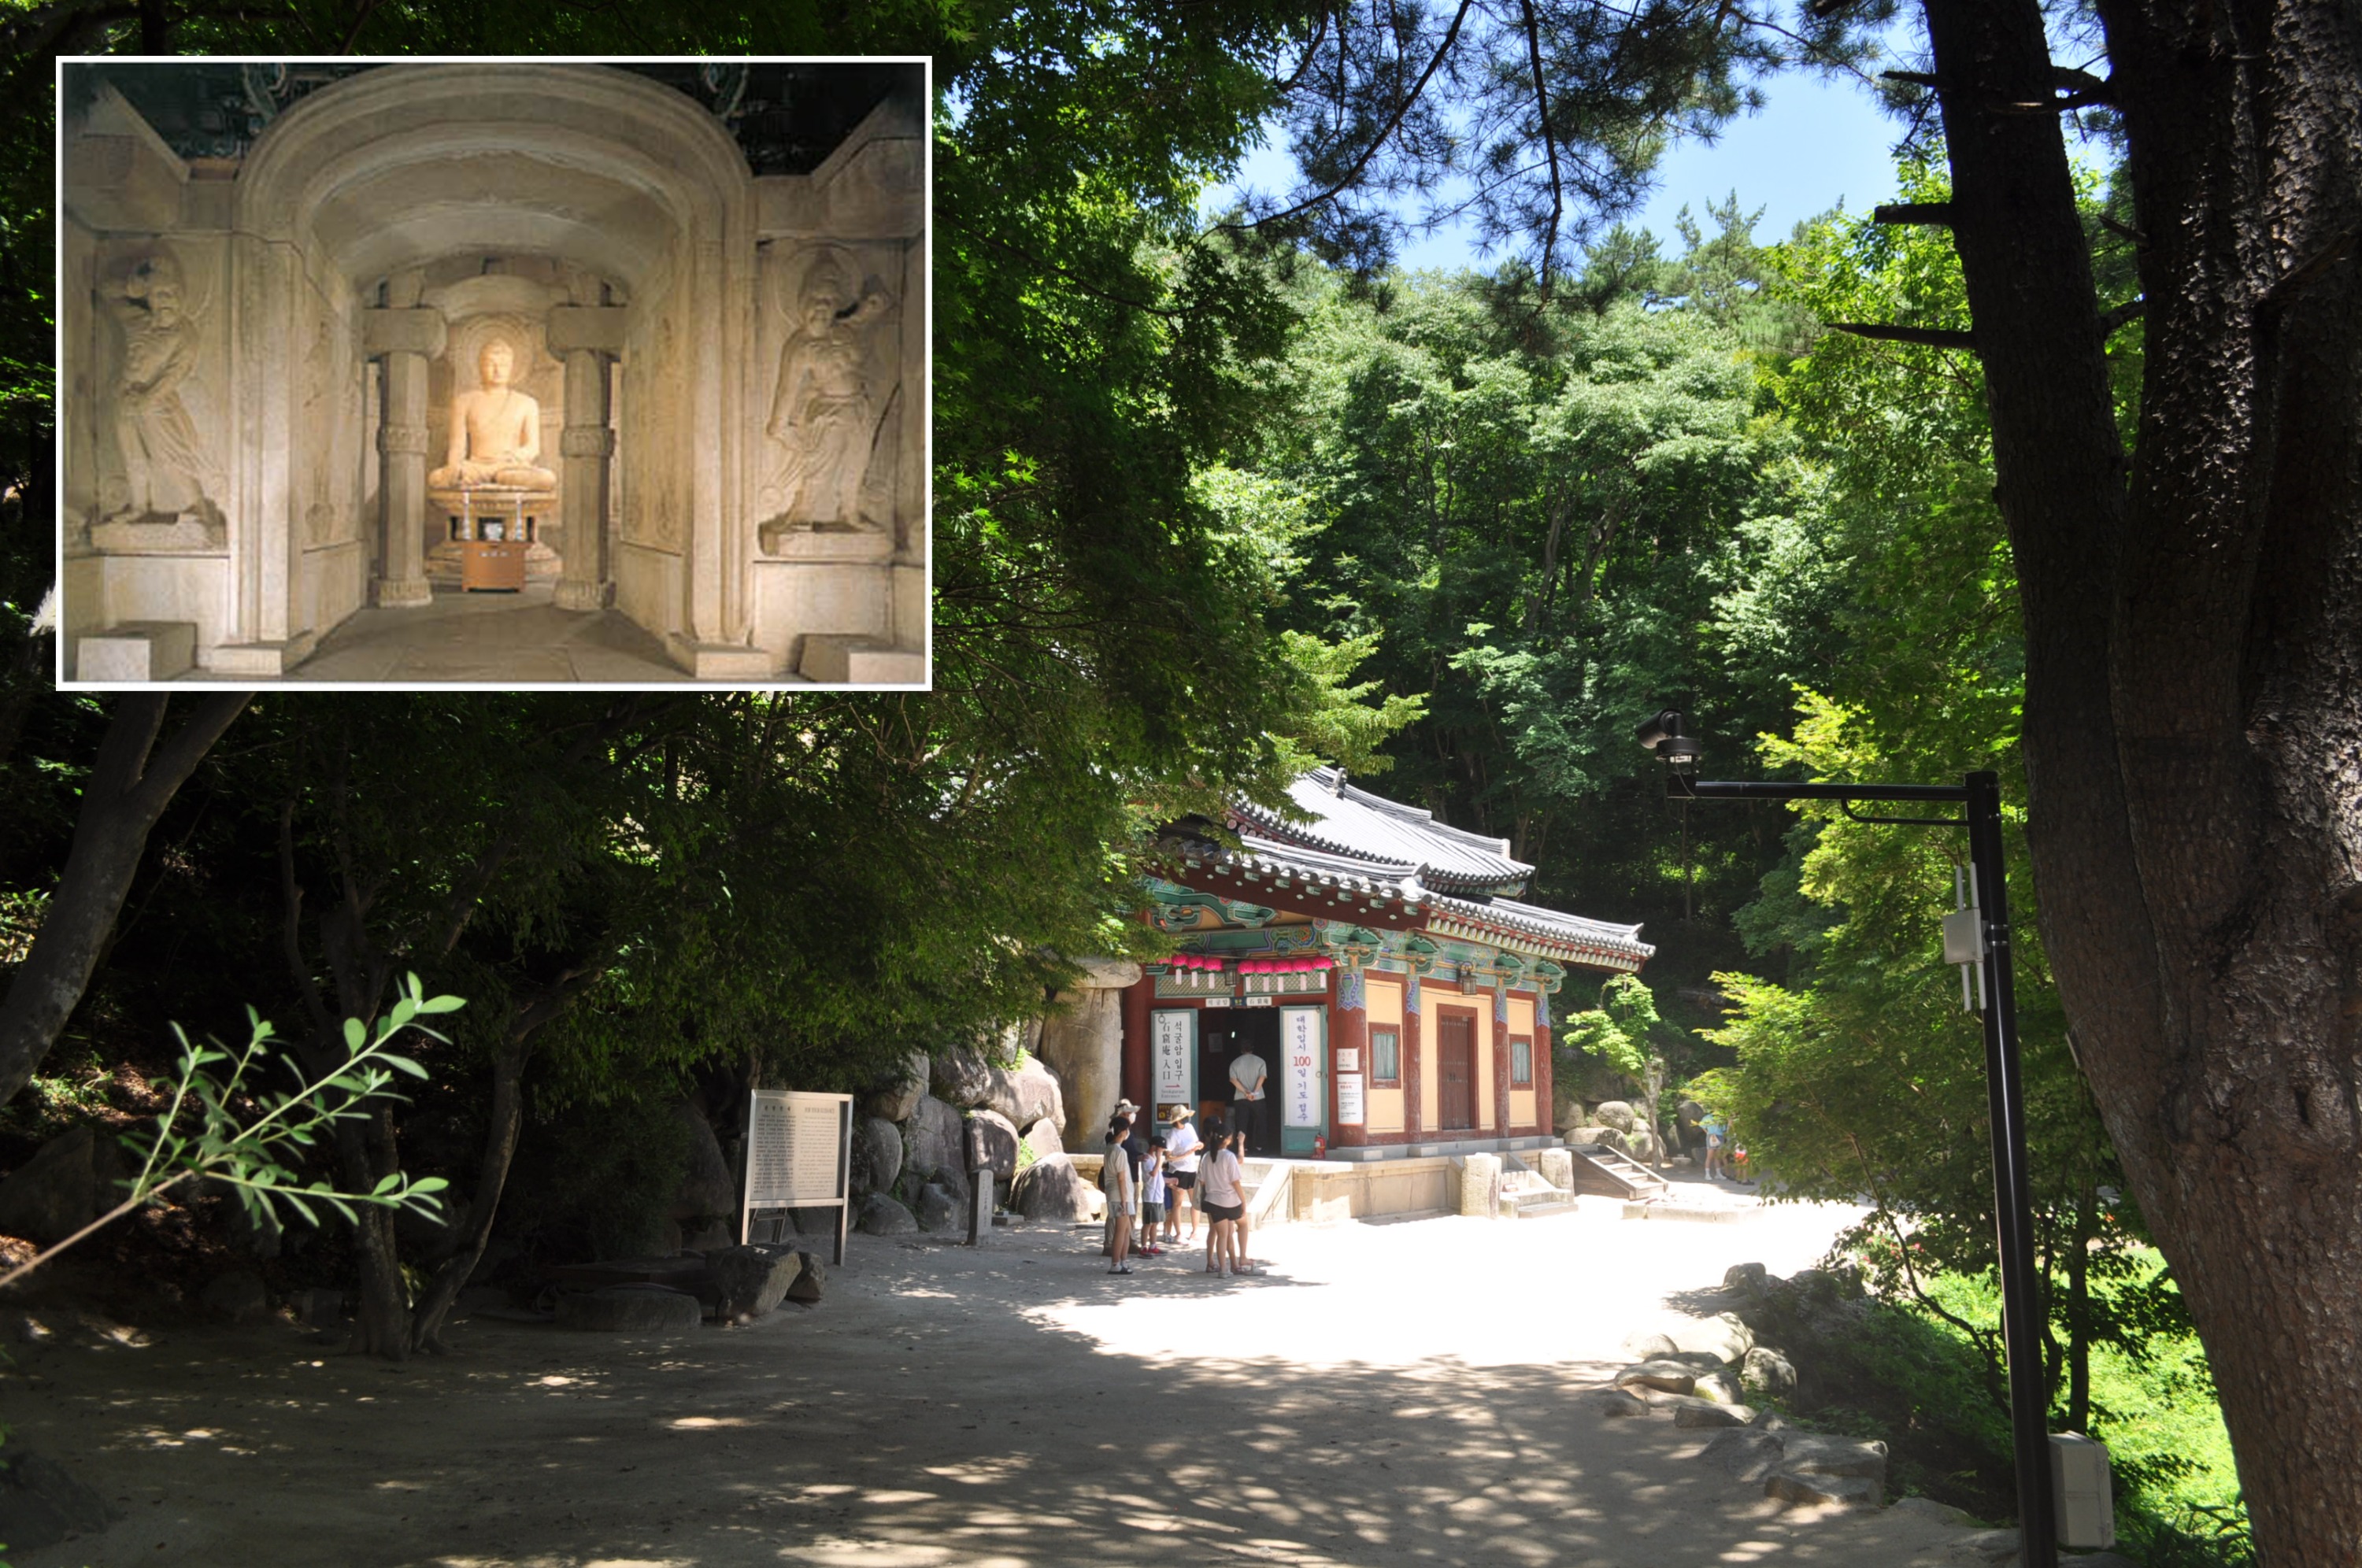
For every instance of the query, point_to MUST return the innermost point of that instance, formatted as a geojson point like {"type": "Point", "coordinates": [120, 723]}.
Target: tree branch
{"type": "Point", "coordinates": [1549, 141]}
{"type": "Point", "coordinates": [1402, 111]}
{"type": "Point", "coordinates": [1051, 266]}
{"type": "Point", "coordinates": [1926, 337]}
{"type": "Point", "coordinates": [1934, 214]}
{"type": "Point", "coordinates": [2109, 320]}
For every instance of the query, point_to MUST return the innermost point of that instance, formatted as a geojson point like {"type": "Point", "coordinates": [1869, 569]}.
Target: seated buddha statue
{"type": "Point", "coordinates": [495, 431]}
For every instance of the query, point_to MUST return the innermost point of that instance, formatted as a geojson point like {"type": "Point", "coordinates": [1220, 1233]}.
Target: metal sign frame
{"type": "Point", "coordinates": [786, 1103]}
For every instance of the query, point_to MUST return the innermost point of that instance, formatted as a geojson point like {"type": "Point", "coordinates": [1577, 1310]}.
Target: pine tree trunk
{"type": "Point", "coordinates": [2194, 732]}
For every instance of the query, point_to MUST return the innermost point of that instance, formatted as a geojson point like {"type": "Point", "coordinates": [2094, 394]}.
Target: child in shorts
{"type": "Point", "coordinates": [1151, 1197]}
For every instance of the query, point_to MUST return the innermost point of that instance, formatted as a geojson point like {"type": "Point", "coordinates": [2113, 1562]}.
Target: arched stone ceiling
{"type": "Point", "coordinates": [403, 166]}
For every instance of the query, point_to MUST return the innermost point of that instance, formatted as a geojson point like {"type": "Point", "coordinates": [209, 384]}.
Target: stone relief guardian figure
{"type": "Point", "coordinates": [824, 412]}
{"type": "Point", "coordinates": [168, 474]}
{"type": "Point", "coordinates": [495, 430]}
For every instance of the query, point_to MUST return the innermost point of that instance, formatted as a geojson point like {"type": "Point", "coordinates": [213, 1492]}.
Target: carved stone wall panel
{"type": "Point", "coordinates": [829, 332]}
{"type": "Point", "coordinates": [653, 453]}
{"type": "Point", "coordinates": [158, 396]}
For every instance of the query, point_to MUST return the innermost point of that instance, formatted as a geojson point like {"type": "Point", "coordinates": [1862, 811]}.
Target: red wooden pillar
{"type": "Point", "coordinates": [1137, 1081]}
{"type": "Point", "coordinates": [1500, 1063]}
{"type": "Point", "coordinates": [1349, 1032]}
{"type": "Point", "coordinates": [1414, 1123]}
{"type": "Point", "coordinates": [1545, 1095]}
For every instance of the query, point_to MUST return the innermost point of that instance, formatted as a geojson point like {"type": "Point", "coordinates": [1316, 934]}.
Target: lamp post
{"type": "Point", "coordinates": [1979, 795]}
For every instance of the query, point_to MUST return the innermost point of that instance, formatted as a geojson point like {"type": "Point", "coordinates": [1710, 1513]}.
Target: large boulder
{"type": "Point", "coordinates": [993, 1137]}
{"type": "Point", "coordinates": [1769, 1370]}
{"type": "Point", "coordinates": [1051, 1188]}
{"type": "Point", "coordinates": [1668, 1377]}
{"type": "Point", "coordinates": [1690, 1412]}
{"type": "Point", "coordinates": [42, 1504]}
{"type": "Point", "coordinates": [1723, 1336]}
{"type": "Point", "coordinates": [1025, 1093]}
{"type": "Point", "coordinates": [1746, 1453]}
{"type": "Point", "coordinates": [902, 1094]}
{"type": "Point", "coordinates": [1082, 1042]}
{"type": "Point", "coordinates": [1846, 1491]}
{"type": "Point", "coordinates": [1647, 1346]}
{"type": "Point", "coordinates": [1615, 1113]}
{"type": "Point", "coordinates": [1043, 1140]}
{"type": "Point", "coordinates": [66, 1184]}
{"type": "Point", "coordinates": [881, 1216]}
{"type": "Point", "coordinates": [811, 1281]}
{"type": "Point", "coordinates": [877, 1154]}
{"type": "Point", "coordinates": [962, 1078]}
{"type": "Point", "coordinates": [752, 1280]}
{"type": "Point", "coordinates": [938, 1210]}
{"type": "Point", "coordinates": [630, 1310]}
{"type": "Point", "coordinates": [935, 1145]}
{"type": "Point", "coordinates": [708, 1189]}
{"type": "Point", "coordinates": [1719, 1386]}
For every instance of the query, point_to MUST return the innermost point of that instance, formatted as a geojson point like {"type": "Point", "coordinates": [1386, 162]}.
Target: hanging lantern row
{"type": "Point", "coordinates": [1193, 961]}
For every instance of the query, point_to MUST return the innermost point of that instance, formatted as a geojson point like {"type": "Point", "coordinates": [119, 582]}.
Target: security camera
{"type": "Point", "coordinates": [1661, 734]}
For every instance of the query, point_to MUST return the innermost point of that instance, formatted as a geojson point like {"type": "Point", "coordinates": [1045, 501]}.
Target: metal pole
{"type": "Point", "coordinates": [2021, 1322]}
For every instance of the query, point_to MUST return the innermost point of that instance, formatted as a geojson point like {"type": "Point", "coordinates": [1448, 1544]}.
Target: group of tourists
{"type": "Point", "coordinates": [1150, 1178]}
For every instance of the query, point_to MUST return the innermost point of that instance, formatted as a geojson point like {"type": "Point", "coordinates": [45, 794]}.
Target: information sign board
{"type": "Point", "coordinates": [1349, 1098]}
{"type": "Point", "coordinates": [1300, 1054]}
{"type": "Point", "coordinates": [1174, 1032]}
{"type": "Point", "coordinates": [799, 1155]}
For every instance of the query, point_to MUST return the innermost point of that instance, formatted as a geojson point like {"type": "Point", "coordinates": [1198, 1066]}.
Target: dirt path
{"type": "Point", "coordinates": [1387, 1395]}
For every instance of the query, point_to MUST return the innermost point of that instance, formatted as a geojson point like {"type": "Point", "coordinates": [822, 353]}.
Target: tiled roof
{"type": "Point", "coordinates": [1350, 822]}
{"type": "Point", "coordinates": [1595, 941]}
{"type": "Point", "coordinates": [1441, 879]}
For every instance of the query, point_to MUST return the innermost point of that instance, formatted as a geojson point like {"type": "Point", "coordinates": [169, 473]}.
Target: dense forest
{"type": "Point", "coordinates": [1214, 498]}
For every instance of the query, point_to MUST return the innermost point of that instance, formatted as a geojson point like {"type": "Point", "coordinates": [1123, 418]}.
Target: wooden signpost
{"type": "Point", "coordinates": [799, 1155]}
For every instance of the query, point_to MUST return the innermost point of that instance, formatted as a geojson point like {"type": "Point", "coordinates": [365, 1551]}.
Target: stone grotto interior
{"type": "Point", "coordinates": [500, 373]}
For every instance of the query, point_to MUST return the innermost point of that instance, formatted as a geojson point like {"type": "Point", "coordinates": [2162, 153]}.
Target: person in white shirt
{"type": "Point", "coordinates": [1151, 1198]}
{"type": "Point", "coordinates": [1181, 1146]}
{"type": "Point", "coordinates": [1220, 1179]}
{"type": "Point", "coordinates": [1123, 1194]}
{"type": "Point", "coordinates": [1250, 1104]}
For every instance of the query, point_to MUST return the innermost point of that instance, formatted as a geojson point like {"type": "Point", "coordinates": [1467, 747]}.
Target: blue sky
{"type": "Point", "coordinates": [1816, 141]}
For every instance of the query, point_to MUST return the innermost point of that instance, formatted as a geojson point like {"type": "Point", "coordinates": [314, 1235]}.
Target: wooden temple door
{"type": "Point", "coordinates": [1455, 1067]}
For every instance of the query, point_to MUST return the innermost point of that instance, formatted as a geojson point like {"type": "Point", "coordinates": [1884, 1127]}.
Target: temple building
{"type": "Point", "coordinates": [1378, 961]}
{"type": "Point", "coordinates": [350, 349]}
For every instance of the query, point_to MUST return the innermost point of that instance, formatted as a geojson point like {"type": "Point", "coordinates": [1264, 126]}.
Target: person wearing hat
{"type": "Point", "coordinates": [1181, 1146]}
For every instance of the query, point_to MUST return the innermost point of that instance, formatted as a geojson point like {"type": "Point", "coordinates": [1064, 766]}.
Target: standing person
{"type": "Point", "coordinates": [1241, 1228]}
{"type": "Point", "coordinates": [1716, 1129]}
{"type": "Point", "coordinates": [1122, 1192]}
{"type": "Point", "coordinates": [1181, 1146]}
{"type": "Point", "coordinates": [1151, 1198]}
{"type": "Point", "coordinates": [1133, 1153]}
{"type": "Point", "coordinates": [1250, 1107]}
{"type": "Point", "coordinates": [1225, 1204]}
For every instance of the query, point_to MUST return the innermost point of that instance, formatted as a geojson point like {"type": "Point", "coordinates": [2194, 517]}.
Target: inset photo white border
{"type": "Point", "coordinates": [512, 373]}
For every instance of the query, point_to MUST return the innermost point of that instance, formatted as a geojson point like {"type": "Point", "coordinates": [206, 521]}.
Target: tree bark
{"type": "Point", "coordinates": [2194, 732]}
{"type": "Point", "coordinates": [132, 782]}
{"type": "Point", "coordinates": [503, 1119]}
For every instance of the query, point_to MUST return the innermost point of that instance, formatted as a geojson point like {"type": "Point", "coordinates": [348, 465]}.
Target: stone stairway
{"type": "Point", "coordinates": [1530, 1192]}
{"type": "Point", "coordinates": [1598, 1168]}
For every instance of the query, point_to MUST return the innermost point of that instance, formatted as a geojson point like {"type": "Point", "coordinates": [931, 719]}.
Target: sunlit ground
{"type": "Point", "coordinates": [1396, 1394]}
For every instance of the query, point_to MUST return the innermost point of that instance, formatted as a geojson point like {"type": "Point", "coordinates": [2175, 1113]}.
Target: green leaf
{"type": "Point", "coordinates": [356, 1034]}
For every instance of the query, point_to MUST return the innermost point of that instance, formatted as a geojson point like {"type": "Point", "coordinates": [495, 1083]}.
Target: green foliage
{"type": "Point", "coordinates": [1555, 514]}
{"type": "Point", "coordinates": [1621, 1031]}
{"type": "Point", "coordinates": [221, 1122]}
{"type": "Point", "coordinates": [1859, 1078]}
{"type": "Point", "coordinates": [2176, 1482]}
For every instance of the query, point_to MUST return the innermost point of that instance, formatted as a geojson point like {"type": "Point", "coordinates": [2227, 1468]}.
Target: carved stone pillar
{"type": "Point", "coordinates": [584, 582]}
{"type": "Point", "coordinates": [402, 438]}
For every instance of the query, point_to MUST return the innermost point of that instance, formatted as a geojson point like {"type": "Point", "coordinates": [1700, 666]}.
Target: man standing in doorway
{"type": "Point", "coordinates": [1251, 1106]}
